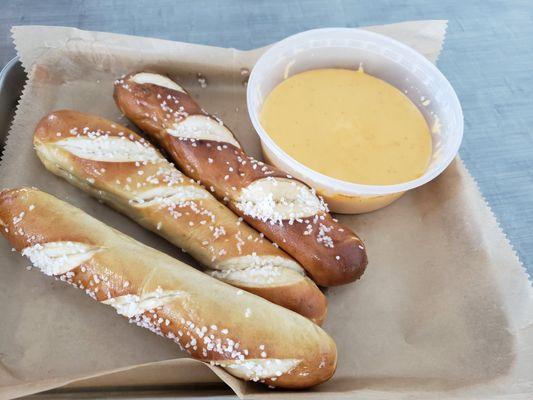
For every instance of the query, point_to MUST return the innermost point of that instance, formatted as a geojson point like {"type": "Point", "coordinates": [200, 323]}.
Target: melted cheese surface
{"type": "Point", "coordinates": [349, 125]}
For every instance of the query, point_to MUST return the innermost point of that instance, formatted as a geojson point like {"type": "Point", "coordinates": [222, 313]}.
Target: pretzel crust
{"type": "Point", "coordinates": [214, 322]}
{"type": "Point", "coordinates": [330, 252]}
{"type": "Point", "coordinates": [116, 165]}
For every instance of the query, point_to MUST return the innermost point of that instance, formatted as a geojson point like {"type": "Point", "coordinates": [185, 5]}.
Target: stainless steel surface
{"type": "Point", "coordinates": [12, 78]}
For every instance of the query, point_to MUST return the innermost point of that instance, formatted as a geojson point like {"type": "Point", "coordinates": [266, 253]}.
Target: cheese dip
{"type": "Point", "coordinates": [348, 125]}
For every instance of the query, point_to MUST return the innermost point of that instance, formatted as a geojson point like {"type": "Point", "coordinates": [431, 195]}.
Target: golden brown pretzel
{"type": "Point", "coordinates": [286, 210]}
{"type": "Point", "coordinates": [116, 165]}
{"type": "Point", "coordinates": [248, 336]}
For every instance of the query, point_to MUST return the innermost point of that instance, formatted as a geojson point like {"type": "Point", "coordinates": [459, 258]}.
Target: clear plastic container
{"type": "Point", "coordinates": [381, 57]}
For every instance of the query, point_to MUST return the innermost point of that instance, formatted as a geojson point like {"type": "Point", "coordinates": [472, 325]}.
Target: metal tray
{"type": "Point", "coordinates": [12, 78]}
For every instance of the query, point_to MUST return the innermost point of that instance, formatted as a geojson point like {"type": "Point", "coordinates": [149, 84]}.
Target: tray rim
{"type": "Point", "coordinates": [6, 69]}
{"type": "Point", "coordinates": [4, 73]}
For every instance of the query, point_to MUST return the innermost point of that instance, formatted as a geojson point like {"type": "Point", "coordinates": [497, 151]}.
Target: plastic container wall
{"type": "Point", "coordinates": [381, 57]}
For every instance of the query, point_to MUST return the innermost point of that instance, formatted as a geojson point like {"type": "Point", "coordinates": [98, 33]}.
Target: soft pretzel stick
{"type": "Point", "coordinates": [116, 165]}
{"type": "Point", "coordinates": [286, 210]}
{"type": "Point", "coordinates": [248, 336]}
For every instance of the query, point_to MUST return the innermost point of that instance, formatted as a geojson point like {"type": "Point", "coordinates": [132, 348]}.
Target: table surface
{"type": "Point", "coordinates": [488, 58]}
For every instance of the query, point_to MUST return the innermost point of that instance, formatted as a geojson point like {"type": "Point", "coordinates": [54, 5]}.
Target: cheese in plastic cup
{"type": "Point", "coordinates": [382, 57]}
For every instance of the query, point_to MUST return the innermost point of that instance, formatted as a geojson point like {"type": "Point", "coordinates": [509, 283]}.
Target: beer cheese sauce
{"type": "Point", "coordinates": [348, 125]}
